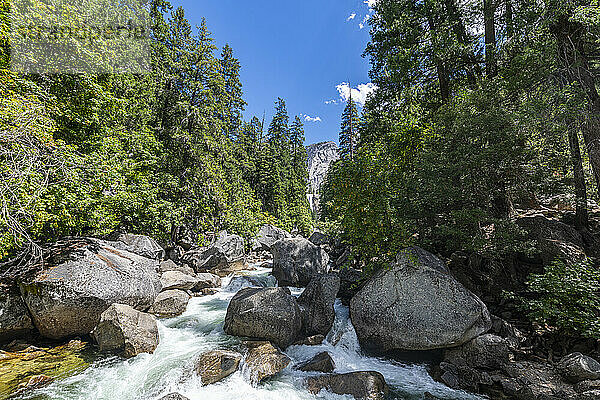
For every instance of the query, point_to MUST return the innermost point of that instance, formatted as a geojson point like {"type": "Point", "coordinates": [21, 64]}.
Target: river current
{"type": "Point", "coordinates": [200, 329]}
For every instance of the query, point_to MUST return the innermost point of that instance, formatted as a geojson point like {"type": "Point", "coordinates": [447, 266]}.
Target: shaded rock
{"type": "Point", "coordinates": [126, 331]}
{"type": "Point", "coordinates": [319, 238]}
{"type": "Point", "coordinates": [138, 244]}
{"type": "Point", "coordinates": [206, 281]}
{"type": "Point", "coordinates": [267, 236]}
{"type": "Point", "coordinates": [174, 396]}
{"type": "Point", "coordinates": [170, 303]}
{"type": "Point", "coordinates": [586, 386]}
{"type": "Point", "coordinates": [296, 261]}
{"type": "Point", "coordinates": [177, 280]}
{"type": "Point", "coordinates": [82, 281]}
{"type": "Point", "coordinates": [224, 256]}
{"type": "Point", "coordinates": [209, 291]}
{"type": "Point", "coordinates": [264, 361]}
{"type": "Point", "coordinates": [322, 362]}
{"type": "Point", "coordinates": [316, 304]}
{"type": "Point", "coordinates": [554, 239]}
{"type": "Point", "coordinates": [590, 395]}
{"type": "Point", "coordinates": [361, 385]}
{"type": "Point", "coordinates": [214, 366]}
{"type": "Point", "coordinates": [350, 283]}
{"type": "Point", "coordinates": [416, 305]}
{"type": "Point", "coordinates": [36, 382]}
{"type": "Point", "coordinates": [310, 341]}
{"type": "Point", "coordinates": [264, 313]}
{"type": "Point", "coordinates": [576, 367]}
{"type": "Point", "coordinates": [14, 317]}
{"type": "Point", "coordinates": [170, 265]}
{"type": "Point", "coordinates": [485, 351]}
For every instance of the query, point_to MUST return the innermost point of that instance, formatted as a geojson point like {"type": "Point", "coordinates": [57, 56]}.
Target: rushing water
{"type": "Point", "coordinates": [199, 329]}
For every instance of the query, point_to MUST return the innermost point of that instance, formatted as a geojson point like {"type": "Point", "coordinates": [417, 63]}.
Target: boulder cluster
{"type": "Point", "coordinates": [114, 289]}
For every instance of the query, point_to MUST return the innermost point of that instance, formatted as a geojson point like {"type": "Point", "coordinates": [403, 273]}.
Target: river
{"type": "Point", "coordinates": [199, 329]}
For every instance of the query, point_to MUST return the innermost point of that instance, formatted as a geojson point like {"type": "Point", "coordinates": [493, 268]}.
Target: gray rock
{"type": "Point", "coordinates": [322, 362]}
{"type": "Point", "coordinates": [586, 386]}
{"type": "Point", "coordinates": [207, 281]}
{"type": "Point", "coordinates": [177, 280]}
{"type": "Point", "coordinates": [170, 303]}
{"type": "Point", "coordinates": [170, 265]}
{"type": "Point", "coordinates": [554, 239]}
{"type": "Point", "coordinates": [222, 257]}
{"type": "Point", "coordinates": [318, 238]}
{"type": "Point", "coordinates": [319, 157]}
{"type": "Point", "coordinates": [264, 313]}
{"type": "Point", "coordinates": [361, 385]}
{"type": "Point", "coordinates": [416, 305]}
{"type": "Point", "coordinates": [589, 395]}
{"type": "Point", "coordinates": [138, 244]}
{"type": "Point", "coordinates": [216, 365]}
{"type": "Point", "coordinates": [267, 236]}
{"type": "Point", "coordinates": [316, 304]}
{"type": "Point", "coordinates": [68, 298]}
{"type": "Point", "coordinates": [485, 351]}
{"type": "Point", "coordinates": [15, 321]}
{"type": "Point", "coordinates": [310, 341]}
{"type": "Point", "coordinates": [350, 282]}
{"type": "Point", "coordinates": [126, 331]}
{"type": "Point", "coordinates": [263, 361]}
{"type": "Point", "coordinates": [296, 261]}
{"type": "Point", "coordinates": [174, 396]}
{"type": "Point", "coordinates": [576, 367]}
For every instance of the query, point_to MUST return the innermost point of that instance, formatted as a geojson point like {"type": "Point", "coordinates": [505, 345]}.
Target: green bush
{"type": "Point", "coordinates": [566, 297]}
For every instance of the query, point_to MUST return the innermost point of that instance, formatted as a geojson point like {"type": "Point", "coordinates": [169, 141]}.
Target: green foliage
{"type": "Point", "coordinates": [89, 154]}
{"type": "Point", "coordinates": [566, 297]}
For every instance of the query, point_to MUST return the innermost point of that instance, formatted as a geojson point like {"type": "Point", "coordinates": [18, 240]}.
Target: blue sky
{"type": "Point", "coordinates": [298, 50]}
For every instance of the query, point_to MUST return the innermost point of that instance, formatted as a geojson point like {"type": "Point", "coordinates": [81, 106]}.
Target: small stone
{"type": "Point", "coordinates": [214, 366]}
{"type": "Point", "coordinates": [310, 341]}
{"type": "Point", "coordinates": [264, 361]}
{"type": "Point", "coordinates": [322, 362]}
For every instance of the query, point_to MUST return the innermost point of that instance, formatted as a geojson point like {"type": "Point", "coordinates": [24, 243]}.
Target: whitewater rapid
{"type": "Point", "coordinates": [200, 329]}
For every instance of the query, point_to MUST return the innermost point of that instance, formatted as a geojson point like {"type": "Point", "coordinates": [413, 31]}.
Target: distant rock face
{"type": "Point", "coordinates": [320, 156]}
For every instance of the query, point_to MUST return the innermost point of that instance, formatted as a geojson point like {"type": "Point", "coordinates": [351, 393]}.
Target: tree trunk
{"type": "Point", "coordinates": [458, 27]}
{"type": "Point", "coordinates": [581, 213]}
{"type": "Point", "coordinates": [443, 79]}
{"type": "Point", "coordinates": [510, 27]}
{"type": "Point", "coordinates": [489, 12]}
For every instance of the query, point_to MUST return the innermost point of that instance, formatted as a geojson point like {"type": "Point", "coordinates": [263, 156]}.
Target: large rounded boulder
{"type": "Point", "coordinates": [224, 256]}
{"type": "Point", "coordinates": [296, 261]}
{"type": "Point", "coordinates": [416, 305]}
{"type": "Point", "coordinates": [126, 331]}
{"type": "Point", "coordinates": [264, 313]}
{"type": "Point", "coordinates": [141, 245]}
{"type": "Point", "coordinates": [267, 236]}
{"type": "Point", "coordinates": [316, 304]}
{"type": "Point", "coordinates": [82, 279]}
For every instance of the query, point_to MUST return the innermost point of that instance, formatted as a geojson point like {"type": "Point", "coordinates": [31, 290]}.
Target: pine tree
{"type": "Point", "coordinates": [235, 104]}
{"type": "Point", "coordinates": [349, 130]}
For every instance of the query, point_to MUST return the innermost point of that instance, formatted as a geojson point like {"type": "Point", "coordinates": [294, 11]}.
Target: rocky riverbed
{"type": "Point", "coordinates": [171, 368]}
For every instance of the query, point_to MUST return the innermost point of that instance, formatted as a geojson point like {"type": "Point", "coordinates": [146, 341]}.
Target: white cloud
{"type": "Point", "coordinates": [370, 3]}
{"type": "Point", "coordinates": [364, 21]}
{"type": "Point", "coordinates": [351, 17]}
{"type": "Point", "coordinates": [331, 101]}
{"type": "Point", "coordinates": [308, 118]}
{"type": "Point", "coordinates": [359, 94]}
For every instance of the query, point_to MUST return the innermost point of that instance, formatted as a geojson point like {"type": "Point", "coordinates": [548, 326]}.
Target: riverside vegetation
{"type": "Point", "coordinates": [146, 225]}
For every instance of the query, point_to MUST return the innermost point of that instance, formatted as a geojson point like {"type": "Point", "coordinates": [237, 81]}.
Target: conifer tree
{"type": "Point", "coordinates": [349, 130]}
{"type": "Point", "coordinates": [235, 104]}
